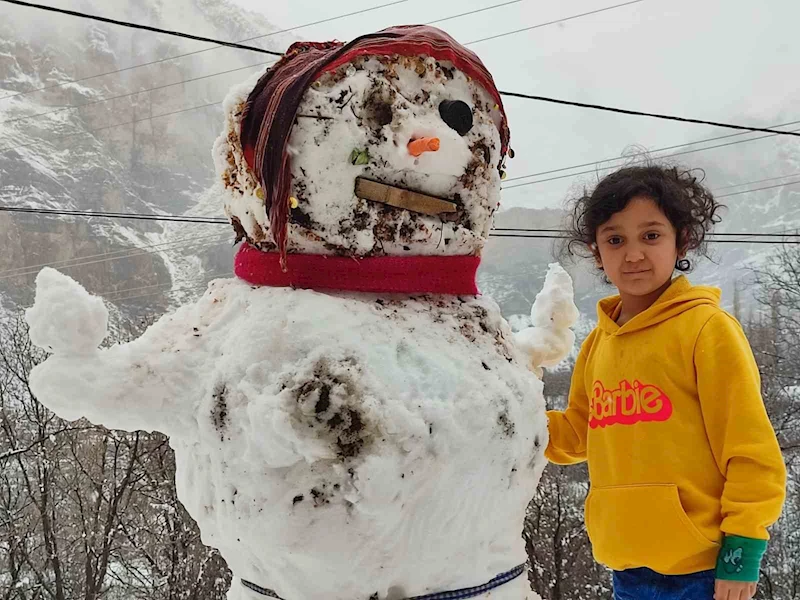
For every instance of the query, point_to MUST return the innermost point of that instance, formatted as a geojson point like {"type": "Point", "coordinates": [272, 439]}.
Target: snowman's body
{"type": "Point", "coordinates": [337, 445]}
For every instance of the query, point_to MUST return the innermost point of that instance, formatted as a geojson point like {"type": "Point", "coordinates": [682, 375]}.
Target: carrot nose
{"type": "Point", "coordinates": [426, 144]}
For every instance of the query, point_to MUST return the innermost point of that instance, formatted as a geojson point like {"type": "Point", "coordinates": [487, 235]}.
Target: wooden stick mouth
{"type": "Point", "coordinates": [402, 198]}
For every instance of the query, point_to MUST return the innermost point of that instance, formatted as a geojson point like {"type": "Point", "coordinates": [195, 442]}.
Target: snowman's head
{"type": "Point", "coordinates": [391, 145]}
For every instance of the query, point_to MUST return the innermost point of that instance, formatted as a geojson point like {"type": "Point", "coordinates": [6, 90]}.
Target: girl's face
{"type": "Point", "coordinates": [637, 249]}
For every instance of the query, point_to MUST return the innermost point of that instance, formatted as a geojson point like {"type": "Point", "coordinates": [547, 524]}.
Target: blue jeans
{"type": "Point", "coordinates": [644, 584]}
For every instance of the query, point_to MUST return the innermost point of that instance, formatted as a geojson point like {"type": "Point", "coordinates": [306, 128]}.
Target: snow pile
{"type": "Point", "coordinates": [550, 339]}
{"type": "Point", "coordinates": [331, 446]}
{"type": "Point", "coordinates": [374, 106]}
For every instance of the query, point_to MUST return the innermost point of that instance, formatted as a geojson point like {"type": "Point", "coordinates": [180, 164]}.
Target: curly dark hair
{"type": "Point", "coordinates": [686, 202]}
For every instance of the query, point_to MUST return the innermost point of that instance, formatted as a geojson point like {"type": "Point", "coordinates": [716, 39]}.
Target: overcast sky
{"type": "Point", "coordinates": [723, 60]}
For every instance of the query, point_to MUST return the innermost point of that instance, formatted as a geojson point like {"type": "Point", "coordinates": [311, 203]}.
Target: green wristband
{"type": "Point", "coordinates": [740, 558]}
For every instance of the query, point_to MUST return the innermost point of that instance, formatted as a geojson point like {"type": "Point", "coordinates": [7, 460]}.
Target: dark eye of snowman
{"type": "Point", "coordinates": [378, 113]}
{"type": "Point", "coordinates": [457, 115]}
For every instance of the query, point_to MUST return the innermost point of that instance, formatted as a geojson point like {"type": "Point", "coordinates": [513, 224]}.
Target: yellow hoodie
{"type": "Point", "coordinates": [667, 410]}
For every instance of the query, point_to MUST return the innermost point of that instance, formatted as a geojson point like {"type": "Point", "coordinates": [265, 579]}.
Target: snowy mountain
{"type": "Point", "coordinates": [150, 152]}
{"type": "Point", "coordinates": [146, 152]}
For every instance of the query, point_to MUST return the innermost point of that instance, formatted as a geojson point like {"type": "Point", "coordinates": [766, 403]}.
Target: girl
{"type": "Point", "coordinates": [665, 404]}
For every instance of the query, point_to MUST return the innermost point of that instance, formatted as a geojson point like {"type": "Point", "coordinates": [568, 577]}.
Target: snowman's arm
{"type": "Point", "coordinates": [544, 346]}
{"type": "Point", "coordinates": [569, 429]}
{"type": "Point", "coordinates": [131, 386]}
{"type": "Point", "coordinates": [122, 387]}
{"type": "Point", "coordinates": [553, 313]}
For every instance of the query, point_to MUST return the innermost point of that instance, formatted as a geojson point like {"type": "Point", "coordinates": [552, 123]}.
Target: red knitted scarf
{"type": "Point", "coordinates": [379, 274]}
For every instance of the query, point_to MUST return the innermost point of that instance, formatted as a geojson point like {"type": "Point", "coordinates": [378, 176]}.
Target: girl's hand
{"type": "Point", "coordinates": [734, 590]}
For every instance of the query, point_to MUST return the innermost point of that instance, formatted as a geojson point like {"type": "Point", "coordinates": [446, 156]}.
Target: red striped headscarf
{"type": "Point", "coordinates": [271, 108]}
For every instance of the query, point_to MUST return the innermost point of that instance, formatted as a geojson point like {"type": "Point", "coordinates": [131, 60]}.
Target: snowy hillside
{"type": "Point", "coordinates": [120, 155]}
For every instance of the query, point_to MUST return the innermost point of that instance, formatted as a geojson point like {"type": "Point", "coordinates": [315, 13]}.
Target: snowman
{"type": "Point", "coordinates": [351, 420]}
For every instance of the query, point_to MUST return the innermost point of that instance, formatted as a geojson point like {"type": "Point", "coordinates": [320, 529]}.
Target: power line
{"type": "Point", "coordinates": [191, 108]}
{"type": "Point", "coordinates": [536, 234]}
{"type": "Point", "coordinates": [16, 270]}
{"type": "Point", "coordinates": [133, 254]}
{"type": "Point", "coordinates": [191, 242]}
{"type": "Point", "coordinates": [473, 12]}
{"type": "Point", "coordinates": [319, 22]}
{"type": "Point", "coordinates": [714, 190]}
{"type": "Point", "coordinates": [175, 291]}
{"type": "Point", "coordinates": [505, 187]}
{"type": "Point", "coordinates": [793, 232]}
{"type": "Point", "coordinates": [177, 56]}
{"type": "Point", "coordinates": [564, 20]}
{"type": "Point", "coordinates": [783, 234]}
{"type": "Point", "coordinates": [123, 298]}
{"type": "Point", "coordinates": [663, 149]}
{"type": "Point", "coordinates": [768, 187]}
{"type": "Point", "coordinates": [236, 45]}
{"type": "Point", "coordinates": [223, 221]}
{"type": "Point", "coordinates": [716, 241]}
{"type": "Point", "coordinates": [205, 284]}
{"type": "Point", "coordinates": [161, 87]}
{"type": "Point", "coordinates": [104, 294]}
{"type": "Point", "coordinates": [637, 113]}
{"type": "Point", "coordinates": [111, 215]}
{"type": "Point", "coordinates": [188, 36]}
{"type": "Point", "coordinates": [153, 89]}
{"type": "Point", "coordinates": [693, 151]}
{"type": "Point", "coordinates": [532, 236]}
{"type": "Point", "coordinates": [718, 238]}
{"type": "Point", "coordinates": [726, 187]}
{"type": "Point", "coordinates": [88, 131]}
{"type": "Point", "coordinates": [107, 293]}
{"type": "Point", "coordinates": [510, 94]}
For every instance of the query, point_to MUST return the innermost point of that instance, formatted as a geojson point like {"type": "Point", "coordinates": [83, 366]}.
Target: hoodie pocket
{"type": "Point", "coordinates": [645, 526]}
